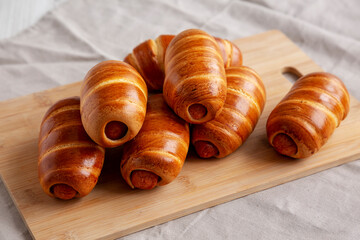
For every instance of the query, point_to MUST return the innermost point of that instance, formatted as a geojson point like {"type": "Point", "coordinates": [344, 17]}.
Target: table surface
{"type": "Point", "coordinates": [321, 206]}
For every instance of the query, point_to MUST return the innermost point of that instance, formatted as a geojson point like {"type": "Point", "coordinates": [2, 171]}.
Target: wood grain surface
{"type": "Point", "coordinates": [113, 209]}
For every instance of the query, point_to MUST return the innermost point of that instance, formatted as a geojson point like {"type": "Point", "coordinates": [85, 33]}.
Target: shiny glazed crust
{"type": "Point", "coordinates": [161, 145]}
{"type": "Point", "coordinates": [112, 91]}
{"type": "Point", "coordinates": [194, 74]}
{"type": "Point", "coordinates": [67, 155]}
{"type": "Point", "coordinates": [244, 104]}
{"type": "Point", "coordinates": [230, 53]}
{"type": "Point", "coordinates": [148, 59]}
{"type": "Point", "coordinates": [309, 113]}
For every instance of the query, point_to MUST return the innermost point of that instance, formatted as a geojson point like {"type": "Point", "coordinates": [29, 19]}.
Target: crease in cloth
{"type": "Point", "coordinates": [75, 33]}
{"type": "Point", "coordinates": [199, 216]}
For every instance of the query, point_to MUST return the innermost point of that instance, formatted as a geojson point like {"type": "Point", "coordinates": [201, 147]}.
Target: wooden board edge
{"type": "Point", "coordinates": [284, 179]}
{"type": "Point", "coordinates": [31, 95]}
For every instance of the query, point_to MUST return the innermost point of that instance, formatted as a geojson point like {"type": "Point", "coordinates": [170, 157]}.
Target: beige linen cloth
{"type": "Point", "coordinates": [68, 41]}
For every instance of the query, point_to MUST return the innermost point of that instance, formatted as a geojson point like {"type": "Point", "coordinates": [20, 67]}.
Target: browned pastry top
{"type": "Point", "coordinates": [148, 58]}
{"type": "Point", "coordinates": [308, 114]}
{"type": "Point", "coordinates": [244, 104]}
{"type": "Point", "coordinates": [113, 91]}
{"type": "Point", "coordinates": [66, 153]}
{"type": "Point", "coordinates": [161, 145]}
{"type": "Point", "coordinates": [194, 74]}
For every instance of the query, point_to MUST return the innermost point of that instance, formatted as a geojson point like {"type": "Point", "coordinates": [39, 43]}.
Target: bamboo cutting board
{"type": "Point", "coordinates": [113, 209]}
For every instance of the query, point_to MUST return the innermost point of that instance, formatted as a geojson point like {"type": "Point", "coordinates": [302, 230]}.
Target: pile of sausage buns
{"type": "Point", "coordinates": [168, 93]}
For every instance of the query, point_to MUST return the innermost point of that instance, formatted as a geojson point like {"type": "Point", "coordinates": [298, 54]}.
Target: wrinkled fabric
{"type": "Point", "coordinates": [68, 41]}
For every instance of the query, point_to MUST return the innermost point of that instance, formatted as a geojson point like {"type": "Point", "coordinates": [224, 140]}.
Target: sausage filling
{"type": "Point", "coordinates": [144, 179]}
{"type": "Point", "coordinates": [284, 144]}
{"type": "Point", "coordinates": [115, 130]}
{"type": "Point", "coordinates": [197, 111]}
{"type": "Point", "coordinates": [206, 149]}
{"type": "Point", "coordinates": [63, 191]}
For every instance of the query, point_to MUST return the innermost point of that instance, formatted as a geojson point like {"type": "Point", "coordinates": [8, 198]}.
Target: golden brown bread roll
{"type": "Point", "coordinates": [244, 104]}
{"type": "Point", "coordinates": [69, 161]}
{"type": "Point", "coordinates": [148, 59]}
{"type": "Point", "coordinates": [113, 103]}
{"type": "Point", "coordinates": [307, 116]}
{"type": "Point", "coordinates": [156, 155]}
{"type": "Point", "coordinates": [195, 78]}
{"type": "Point", "coordinates": [230, 53]}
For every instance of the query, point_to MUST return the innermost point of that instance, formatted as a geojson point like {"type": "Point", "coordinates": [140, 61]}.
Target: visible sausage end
{"type": "Point", "coordinates": [144, 179]}
{"type": "Point", "coordinates": [63, 191]}
{"type": "Point", "coordinates": [206, 149]}
{"type": "Point", "coordinates": [115, 130]}
{"type": "Point", "coordinates": [284, 145]}
{"type": "Point", "coordinates": [197, 111]}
